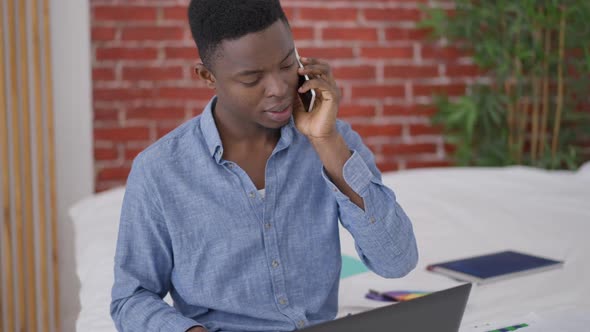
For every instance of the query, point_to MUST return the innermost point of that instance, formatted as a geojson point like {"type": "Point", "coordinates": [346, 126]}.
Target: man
{"type": "Point", "coordinates": [235, 213]}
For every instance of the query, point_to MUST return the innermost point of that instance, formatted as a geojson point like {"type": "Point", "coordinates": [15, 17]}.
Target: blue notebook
{"type": "Point", "coordinates": [493, 267]}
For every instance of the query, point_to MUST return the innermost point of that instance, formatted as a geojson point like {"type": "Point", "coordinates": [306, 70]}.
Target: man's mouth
{"type": "Point", "coordinates": [280, 113]}
{"type": "Point", "coordinates": [279, 109]}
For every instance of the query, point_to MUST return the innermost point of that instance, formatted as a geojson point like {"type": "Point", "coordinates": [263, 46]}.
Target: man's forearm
{"type": "Point", "coordinates": [334, 152]}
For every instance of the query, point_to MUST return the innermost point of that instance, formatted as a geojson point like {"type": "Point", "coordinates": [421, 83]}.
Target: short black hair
{"type": "Point", "coordinates": [212, 21]}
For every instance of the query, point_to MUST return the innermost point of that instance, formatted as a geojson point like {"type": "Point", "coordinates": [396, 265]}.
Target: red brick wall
{"type": "Point", "coordinates": [143, 82]}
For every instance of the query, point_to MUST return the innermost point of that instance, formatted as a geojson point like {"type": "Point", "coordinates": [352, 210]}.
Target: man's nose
{"type": "Point", "coordinates": [277, 85]}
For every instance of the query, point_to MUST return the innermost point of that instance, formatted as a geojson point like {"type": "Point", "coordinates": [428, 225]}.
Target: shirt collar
{"type": "Point", "coordinates": [213, 140]}
{"type": "Point", "coordinates": [210, 132]}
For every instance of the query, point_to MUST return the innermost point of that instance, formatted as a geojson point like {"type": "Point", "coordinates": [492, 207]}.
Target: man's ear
{"type": "Point", "coordinates": [205, 74]}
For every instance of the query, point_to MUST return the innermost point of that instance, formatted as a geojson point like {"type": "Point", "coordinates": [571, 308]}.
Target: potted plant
{"type": "Point", "coordinates": [532, 107]}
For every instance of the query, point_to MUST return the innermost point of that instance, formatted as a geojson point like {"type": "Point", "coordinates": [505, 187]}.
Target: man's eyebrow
{"type": "Point", "coordinates": [249, 72]}
{"type": "Point", "coordinates": [257, 71]}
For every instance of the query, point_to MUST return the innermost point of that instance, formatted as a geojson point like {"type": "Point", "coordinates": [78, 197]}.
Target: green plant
{"type": "Point", "coordinates": [533, 109]}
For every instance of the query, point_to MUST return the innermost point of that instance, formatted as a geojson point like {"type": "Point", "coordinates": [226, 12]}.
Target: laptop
{"type": "Point", "coordinates": [439, 311]}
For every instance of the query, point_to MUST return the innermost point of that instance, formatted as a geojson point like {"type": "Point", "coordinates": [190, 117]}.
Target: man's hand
{"type": "Point", "coordinates": [197, 329]}
{"type": "Point", "coordinates": [320, 123]}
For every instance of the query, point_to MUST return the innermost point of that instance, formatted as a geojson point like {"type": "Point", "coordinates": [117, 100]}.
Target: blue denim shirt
{"type": "Point", "coordinates": [195, 226]}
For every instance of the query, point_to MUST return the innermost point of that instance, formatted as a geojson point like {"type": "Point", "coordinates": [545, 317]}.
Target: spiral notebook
{"type": "Point", "coordinates": [494, 267]}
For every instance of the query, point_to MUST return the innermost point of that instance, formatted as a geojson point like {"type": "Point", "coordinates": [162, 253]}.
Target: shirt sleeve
{"type": "Point", "coordinates": [143, 264]}
{"type": "Point", "coordinates": [383, 233]}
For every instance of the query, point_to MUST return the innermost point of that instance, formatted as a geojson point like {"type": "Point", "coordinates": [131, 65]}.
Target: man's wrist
{"type": "Point", "coordinates": [330, 140]}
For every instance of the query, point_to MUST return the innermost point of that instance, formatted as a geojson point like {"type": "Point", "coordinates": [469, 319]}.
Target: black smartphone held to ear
{"type": "Point", "coordinates": [308, 98]}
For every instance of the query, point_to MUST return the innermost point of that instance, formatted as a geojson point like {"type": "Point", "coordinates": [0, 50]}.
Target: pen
{"type": "Point", "coordinates": [510, 328]}
{"type": "Point", "coordinates": [383, 295]}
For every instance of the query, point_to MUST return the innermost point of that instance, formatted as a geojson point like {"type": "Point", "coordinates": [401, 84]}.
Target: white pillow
{"type": "Point", "coordinates": [96, 224]}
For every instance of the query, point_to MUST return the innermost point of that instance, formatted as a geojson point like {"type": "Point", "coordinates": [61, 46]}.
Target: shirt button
{"type": "Point", "coordinates": [267, 225]}
{"type": "Point", "coordinates": [231, 166]}
{"type": "Point", "coordinates": [252, 194]}
{"type": "Point", "coordinates": [300, 324]}
{"type": "Point", "coordinates": [282, 301]}
{"type": "Point", "coordinates": [372, 220]}
{"type": "Point", "coordinates": [275, 264]}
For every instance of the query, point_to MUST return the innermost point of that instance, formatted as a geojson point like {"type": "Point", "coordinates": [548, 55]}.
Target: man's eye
{"type": "Point", "coordinates": [253, 83]}
{"type": "Point", "coordinates": [288, 66]}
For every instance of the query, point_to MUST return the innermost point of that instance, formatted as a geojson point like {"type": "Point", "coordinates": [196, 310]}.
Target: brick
{"type": "Point", "coordinates": [420, 129]}
{"type": "Point", "coordinates": [428, 164]}
{"type": "Point", "coordinates": [131, 153]}
{"type": "Point", "coordinates": [124, 94]}
{"type": "Point", "coordinates": [328, 14]}
{"type": "Point", "coordinates": [395, 34]}
{"type": "Point", "coordinates": [400, 52]}
{"type": "Point", "coordinates": [442, 53]}
{"type": "Point", "coordinates": [326, 53]}
{"type": "Point", "coordinates": [388, 166]}
{"type": "Point", "coordinates": [186, 93]}
{"type": "Point", "coordinates": [408, 149]}
{"type": "Point", "coordinates": [356, 34]}
{"type": "Point", "coordinates": [124, 13]}
{"type": "Point", "coordinates": [450, 148]}
{"type": "Point", "coordinates": [105, 114]}
{"type": "Point", "coordinates": [126, 53]}
{"type": "Point", "coordinates": [425, 90]}
{"type": "Point", "coordinates": [103, 74]}
{"type": "Point", "coordinates": [370, 130]}
{"type": "Point", "coordinates": [413, 110]}
{"type": "Point", "coordinates": [302, 33]}
{"type": "Point", "coordinates": [185, 53]}
{"type": "Point", "coordinates": [122, 134]}
{"type": "Point", "coordinates": [115, 173]}
{"type": "Point", "coordinates": [463, 71]}
{"type": "Point", "coordinates": [155, 113]}
{"type": "Point", "coordinates": [106, 185]}
{"type": "Point", "coordinates": [105, 154]}
{"type": "Point", "coordinates": [152, 73]}
{"type": "Point", "coordinates": [345, 111]}
{"type": "Point", "coordinates": [153, 33]}
{"type": "Point", "coordinates": [103, 33]}
{"type": "Point", "coordinates": [409, 72]}
{"type": "Point", "coordinates": [378, 91]}
{"type": "Point", "coordinates": [392, 15]}
{"type": "Point", "coordinates": [289, 13]}
{"type": "Point", "coordinates": [177, 13]}
{"type": "Point", "coordinates": [362, 72]}
{"type": "Point", "coordinates": [163, 130]}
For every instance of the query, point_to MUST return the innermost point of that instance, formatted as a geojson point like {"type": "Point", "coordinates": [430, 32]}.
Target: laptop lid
{"type": "Point", "coordinates": [440, 311]}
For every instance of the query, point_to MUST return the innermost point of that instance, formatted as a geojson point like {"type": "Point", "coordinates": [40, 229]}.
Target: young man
{"type": "Point", "coordinates": [235, 213]}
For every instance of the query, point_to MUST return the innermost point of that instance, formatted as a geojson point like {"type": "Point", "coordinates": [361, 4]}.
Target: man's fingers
{"type": "Point", "coordinates": [325, 90]}
{"type": "Point", "coordinates": [316, 70]}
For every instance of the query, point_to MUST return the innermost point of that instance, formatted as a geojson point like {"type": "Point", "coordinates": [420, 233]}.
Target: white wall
{"type": "Point", "coordinates": [71, 65]}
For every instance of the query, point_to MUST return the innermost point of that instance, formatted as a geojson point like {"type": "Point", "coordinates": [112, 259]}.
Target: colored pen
{"type": "Point", "coordinates": [383, 295]}
{"type": "Point", "coordinates": [510, 328]}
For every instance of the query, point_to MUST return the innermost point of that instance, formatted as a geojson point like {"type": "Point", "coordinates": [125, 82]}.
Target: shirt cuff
{"type": "Point", "coordinates": [181, 324]}
{"type": "Point", "coordinates": [356, 174]}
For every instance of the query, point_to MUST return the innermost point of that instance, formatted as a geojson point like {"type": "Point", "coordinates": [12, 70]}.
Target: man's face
{"type": "Point", "coordinates": [256, 77]}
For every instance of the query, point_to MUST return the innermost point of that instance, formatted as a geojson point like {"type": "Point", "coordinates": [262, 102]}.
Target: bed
{"type": "Point", "coordinates": [456, 212]}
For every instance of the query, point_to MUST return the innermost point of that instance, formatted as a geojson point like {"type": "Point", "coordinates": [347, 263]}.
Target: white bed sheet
{"type": "Point", "coordinates": [456, 212]}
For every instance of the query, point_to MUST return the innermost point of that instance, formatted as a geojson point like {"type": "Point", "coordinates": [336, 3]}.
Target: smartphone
{"type": "Point", "coordinates": [308, 98]}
